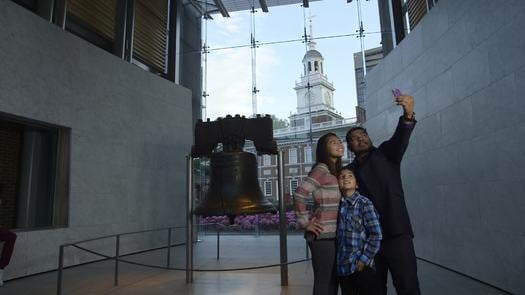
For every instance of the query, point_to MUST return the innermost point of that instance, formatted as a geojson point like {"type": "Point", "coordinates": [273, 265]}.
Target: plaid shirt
{"type": "Point", "coordinates": [358, 233]}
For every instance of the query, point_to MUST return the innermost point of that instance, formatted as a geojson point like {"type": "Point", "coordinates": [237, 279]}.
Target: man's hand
{"type": "Point", "coordinates": [314, 227]}
{"type": "Point", "coordinates": [407, 102]}
{"type": "Point", "coordinates": [360, 266]}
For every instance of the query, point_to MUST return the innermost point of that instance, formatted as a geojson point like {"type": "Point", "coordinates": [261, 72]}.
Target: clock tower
{"type": "Point", "coordinates": [315, 94]}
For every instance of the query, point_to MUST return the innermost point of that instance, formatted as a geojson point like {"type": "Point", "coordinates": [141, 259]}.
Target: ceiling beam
{"type": "Point", "coordinates": [264, 5]}
{"type": "Point", "coordinates": [222, 8]}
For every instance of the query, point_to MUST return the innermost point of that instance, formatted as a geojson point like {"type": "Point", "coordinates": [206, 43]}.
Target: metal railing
{"type": "Point", "coordinates": [315, 126]}
{"type": "Point", "coordinates": [117, 256]}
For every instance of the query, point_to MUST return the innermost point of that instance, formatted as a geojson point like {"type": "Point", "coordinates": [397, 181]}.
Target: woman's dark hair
{"type": "Point", "coordinates": [322, 156]}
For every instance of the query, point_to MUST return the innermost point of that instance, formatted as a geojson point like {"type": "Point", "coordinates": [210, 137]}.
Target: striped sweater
{"type": "Point", "coordinates": [323, 186]}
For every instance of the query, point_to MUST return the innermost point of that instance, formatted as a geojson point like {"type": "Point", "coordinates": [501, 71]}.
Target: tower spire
{"type": "Point", "coordinates": [311, 44]}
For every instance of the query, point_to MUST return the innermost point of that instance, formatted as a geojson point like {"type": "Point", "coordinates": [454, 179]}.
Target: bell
{"type": "Point", "coordinates": [234, 188]}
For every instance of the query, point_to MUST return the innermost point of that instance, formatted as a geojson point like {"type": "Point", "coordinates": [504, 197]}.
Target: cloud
{"type": "Point", "coordinates": [224, 32]}
{"type": "Point", "coordinates": [230, 81]}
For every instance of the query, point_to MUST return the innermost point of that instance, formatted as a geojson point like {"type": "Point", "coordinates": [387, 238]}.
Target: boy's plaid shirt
{"type": "Point", "coordinates": [358, 233]}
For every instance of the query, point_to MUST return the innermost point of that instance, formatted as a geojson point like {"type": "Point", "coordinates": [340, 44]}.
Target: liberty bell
{"type": "Point", "coordinates": [234, 187]}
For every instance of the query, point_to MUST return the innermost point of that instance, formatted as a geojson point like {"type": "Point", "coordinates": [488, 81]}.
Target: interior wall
{"type": "Point", "coordinates": [464, 171]}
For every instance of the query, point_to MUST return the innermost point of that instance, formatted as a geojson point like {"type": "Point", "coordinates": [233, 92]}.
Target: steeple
{"type": "Point", "coordinates": [311, 43]}
{"type": "Point", "coordinates": [314, 92]}
{"type": "Point", "coordinates": [313, 78]}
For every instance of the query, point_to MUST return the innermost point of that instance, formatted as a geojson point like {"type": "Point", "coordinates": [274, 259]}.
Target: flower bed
{"type": "Point", "coordinates": [267, 221]}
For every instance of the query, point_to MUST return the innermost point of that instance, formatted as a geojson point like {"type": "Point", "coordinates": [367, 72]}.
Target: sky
{"type": "Point", "coordinates": [228, 71]}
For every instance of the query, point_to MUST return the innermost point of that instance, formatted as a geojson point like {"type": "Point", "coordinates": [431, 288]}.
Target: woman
{"type": "Point", "coordinates": [320, 230]}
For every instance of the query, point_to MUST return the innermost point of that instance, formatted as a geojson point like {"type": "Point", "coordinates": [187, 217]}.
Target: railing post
{"type": "Point", "coordinates": [307, 252]}
{"type": "Point", "coordinates": [218, 241]}
{"type": "Point", "coordinates": [168, 262]}
{"type": "Point", "coordinates": [117, 250]}
{"type": "Point", "coordinates": [60, 267]}
{"type": "Point", "coordinates": [189, 220]}
{"type": "Point", "coordinates": [282, 223]}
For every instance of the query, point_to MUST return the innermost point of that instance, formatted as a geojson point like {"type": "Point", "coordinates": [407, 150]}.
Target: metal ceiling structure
{"type": "Point", "coordinates": [225, 7]}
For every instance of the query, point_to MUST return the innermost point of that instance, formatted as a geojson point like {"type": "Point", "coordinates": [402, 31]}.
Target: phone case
{"type": "Point", "coordinates": [396, 92]}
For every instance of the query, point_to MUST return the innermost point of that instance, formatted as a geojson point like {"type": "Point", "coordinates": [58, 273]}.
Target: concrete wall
{"type": "Point", "coordinates": [464, 172]}
{"type": "Point", "coordinates": [130, 132]}
{"type": "Point", "coordinates": [190, 56]}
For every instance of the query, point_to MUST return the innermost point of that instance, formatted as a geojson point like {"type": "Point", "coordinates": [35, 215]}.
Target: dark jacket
{"type": "Point", "coordinates": [379, 177]}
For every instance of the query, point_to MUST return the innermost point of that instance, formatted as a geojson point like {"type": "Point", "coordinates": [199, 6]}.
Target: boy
{"type": "Point", "coordinates": [358, 238]}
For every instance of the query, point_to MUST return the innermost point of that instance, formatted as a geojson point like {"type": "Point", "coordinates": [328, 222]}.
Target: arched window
{"type": "Point", "coordinates": [316, 66]}
{"type": "Point", "coordinates": [309, 66]}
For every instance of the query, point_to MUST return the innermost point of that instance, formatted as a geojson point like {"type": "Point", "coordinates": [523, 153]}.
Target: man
{"type": "Point", "coordinates": [379, 176]}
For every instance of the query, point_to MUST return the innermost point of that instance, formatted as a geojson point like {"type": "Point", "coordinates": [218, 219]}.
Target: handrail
{"type": "Point", "coordinates": [117, 250]}
{"type": "Point", "coordinates": [168, 267]}
{"type": "Point", "coordinates": [193, 269]}
{"type": "Point", "coordinates": [127, 233]}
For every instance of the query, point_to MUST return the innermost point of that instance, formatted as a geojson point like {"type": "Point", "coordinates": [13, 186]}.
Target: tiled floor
{"type": "Point", "coordinates": [236, 252]}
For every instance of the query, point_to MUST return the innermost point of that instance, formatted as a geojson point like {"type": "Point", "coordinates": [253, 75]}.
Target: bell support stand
{"type": "Point", "coordinates": [283, 247]}
{"type": "Point", "coordinates": [189, 220]}
{"type": "Point", "coordinates": [282, 222]}
{"type": "Point", "coordinates": [234, 186]}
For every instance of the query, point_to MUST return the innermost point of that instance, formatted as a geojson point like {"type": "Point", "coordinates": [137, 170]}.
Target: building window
{"type": "Point", "coordinates": [309, 66]}
{"type": "Point", "coordinates": [150, 37]}
{"type": "Point", "coordinates": [267, 188]}
{"type": "Point", "coordinates": [293, 185]}
{"type": "Point", "coordinates": [308, 154]}
{"type": "Point", "coordinates": [316, 66]}
{"type": "Point", "coordinates": [95, 21]}
{"type": "Point", "coordinates": [267, 160]}
{"type": "Point", "coordinates": [292, 156]}
{"type": "Point", "coordinates": [84, 19]}
{"type": "Point", "coordinates": [34, 174]}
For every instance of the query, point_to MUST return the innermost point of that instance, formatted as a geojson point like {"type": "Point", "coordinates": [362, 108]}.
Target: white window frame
{"type": "Point", "coordinates": [267, 160]}
{"type": "Point", "coordinates": [292, 156]}
{"type": "Point", "coordinates": [268, 188]}
{"type": "Point", "coordinates": [292, 187]}
{"type": "Point", "coordinates": [308, 154]}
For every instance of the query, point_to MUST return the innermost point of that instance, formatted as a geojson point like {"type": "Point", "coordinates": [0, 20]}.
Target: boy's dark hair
{"type": "Point", "coordinates": [349, 168]}
{"type": "Point", "coordinates": [321, 154]}
{"type": "Point", "coordinates": [352, 130]}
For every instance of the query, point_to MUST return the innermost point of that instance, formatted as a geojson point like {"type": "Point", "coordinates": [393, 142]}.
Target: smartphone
{"type": "Point", "coordinates": [396, 92]}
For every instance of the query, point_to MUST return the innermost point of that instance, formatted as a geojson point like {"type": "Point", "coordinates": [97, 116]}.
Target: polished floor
{"type": "Point", "coordinates": [236, 251]}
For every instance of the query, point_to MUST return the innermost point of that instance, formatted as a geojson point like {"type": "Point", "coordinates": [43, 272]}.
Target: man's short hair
{"type": "Point", "coordinates": [352, 130]}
